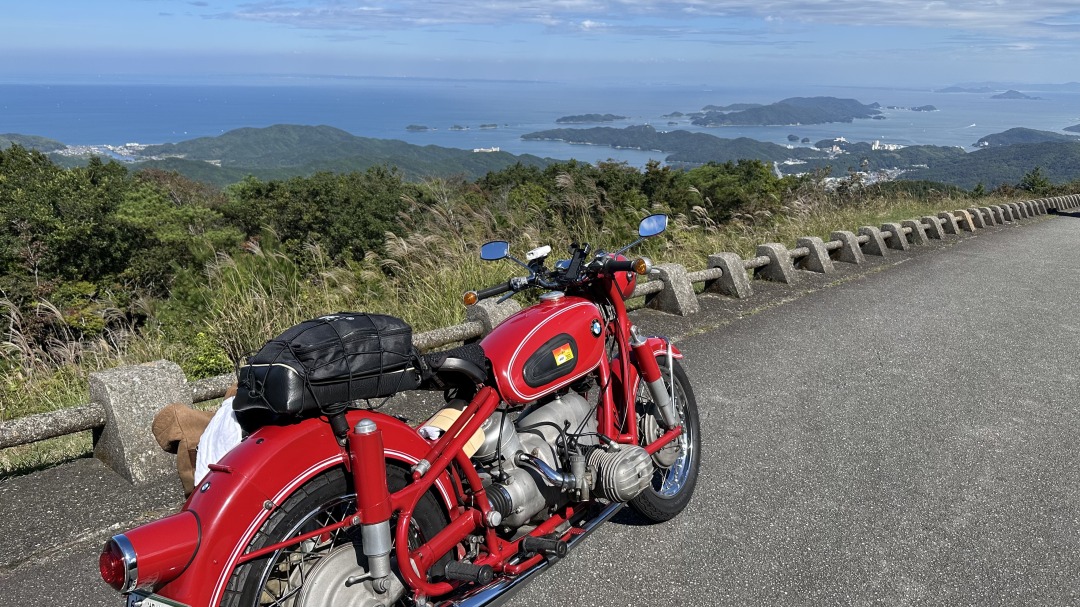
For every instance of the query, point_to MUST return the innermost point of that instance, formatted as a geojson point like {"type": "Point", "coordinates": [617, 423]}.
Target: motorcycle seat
{"type": "Point", "coordinates": [468, 360]}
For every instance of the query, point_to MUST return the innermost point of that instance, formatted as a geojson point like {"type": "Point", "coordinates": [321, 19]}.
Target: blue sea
{"type": "Point", "coordinates": [383, 108]}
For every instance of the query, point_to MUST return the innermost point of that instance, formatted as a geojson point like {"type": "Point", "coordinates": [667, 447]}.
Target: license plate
{"type": "Point", "coordinates": [141, 598]}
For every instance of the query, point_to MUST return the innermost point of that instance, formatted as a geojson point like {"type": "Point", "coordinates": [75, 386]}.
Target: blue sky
{"type": "Point", "coordinates": [848, 42]}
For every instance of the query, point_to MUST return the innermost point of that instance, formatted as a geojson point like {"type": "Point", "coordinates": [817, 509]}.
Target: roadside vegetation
{"type": "Point", "coordinates": [101, 266]}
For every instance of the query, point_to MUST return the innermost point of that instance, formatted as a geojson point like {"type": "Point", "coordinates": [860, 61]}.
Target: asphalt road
{"type": "Point", "coordinates": [904, 433]}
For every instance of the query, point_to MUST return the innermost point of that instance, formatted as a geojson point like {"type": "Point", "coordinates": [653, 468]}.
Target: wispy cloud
{"type": "Point", "coordinates": [1054, 17]}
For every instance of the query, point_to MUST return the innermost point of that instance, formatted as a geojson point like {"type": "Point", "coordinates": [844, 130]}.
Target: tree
{"type": "Point", "coordinates": [1035, 182]}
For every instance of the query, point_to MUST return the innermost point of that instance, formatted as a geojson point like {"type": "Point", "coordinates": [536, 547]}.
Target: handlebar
{"type": "Point", "coordinates": [490, 291]}
{"type": "Point", "coordinates": [604, 263]}
{"type": "Point", "coordinates": [615, 265]}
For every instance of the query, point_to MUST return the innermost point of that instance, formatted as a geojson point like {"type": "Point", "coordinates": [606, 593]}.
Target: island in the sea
{"type": "Point", "coordinates": [788, 112]}
{"type": "Point", "coordinates": [1011, 94]}
{"type": "Point", "coordinates": [589, 119]}
{"type": "Point", "coordinates": [734, 107]}
{"type": "Point", "coordinates": [417, 128]}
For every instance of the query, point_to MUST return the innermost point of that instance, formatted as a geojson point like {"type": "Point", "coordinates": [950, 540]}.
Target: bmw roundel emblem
{"type": "Point", "coordinates": [596, 328]}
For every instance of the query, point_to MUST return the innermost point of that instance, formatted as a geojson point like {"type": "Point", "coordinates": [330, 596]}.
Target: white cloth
{"type": "Point", "coordinates": [221, 435]}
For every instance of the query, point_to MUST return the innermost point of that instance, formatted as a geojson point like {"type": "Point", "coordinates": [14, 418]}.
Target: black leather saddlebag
{"type": "Point", "coordinates": [321, 365]}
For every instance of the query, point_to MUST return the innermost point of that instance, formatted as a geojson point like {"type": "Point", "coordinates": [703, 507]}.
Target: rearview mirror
{"type": "Point", "coordinates": [652, 225]}
{"type": "Point", "coordinates": [495, 250]}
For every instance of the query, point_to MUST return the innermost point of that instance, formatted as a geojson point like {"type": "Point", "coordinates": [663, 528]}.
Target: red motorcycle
{"type": "Point", "coordinates": [554, 421]}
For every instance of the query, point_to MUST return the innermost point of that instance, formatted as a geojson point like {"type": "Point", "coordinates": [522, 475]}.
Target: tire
{"type": "Point", "coordinates": [304, 574]}
{"type": "Point", "coordinates": [676, 467]}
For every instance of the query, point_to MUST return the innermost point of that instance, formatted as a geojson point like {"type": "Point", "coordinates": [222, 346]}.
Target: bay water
{"type": "Point", "coordinates": [454, 110]}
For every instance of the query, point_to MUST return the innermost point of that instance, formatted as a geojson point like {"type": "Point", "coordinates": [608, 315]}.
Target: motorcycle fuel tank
{"type": "Point", "coordinates": [545, 347]}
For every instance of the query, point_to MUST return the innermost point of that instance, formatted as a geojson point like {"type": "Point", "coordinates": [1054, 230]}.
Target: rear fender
{"type": "Point", "coordinates": [234, 500]}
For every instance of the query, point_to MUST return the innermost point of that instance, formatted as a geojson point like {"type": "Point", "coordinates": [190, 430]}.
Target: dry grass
{"type": "Point", "coordinates": [254, 295]}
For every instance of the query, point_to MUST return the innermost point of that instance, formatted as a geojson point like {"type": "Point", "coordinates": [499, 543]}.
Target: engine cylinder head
{"type": "Point", "coordinates": [621, 475]}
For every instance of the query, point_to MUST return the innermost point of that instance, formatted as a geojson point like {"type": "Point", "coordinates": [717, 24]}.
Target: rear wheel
{"type": "Point", "coordinates": [328, 569]}
{"type": "Point", "coordinates": [676, 464]}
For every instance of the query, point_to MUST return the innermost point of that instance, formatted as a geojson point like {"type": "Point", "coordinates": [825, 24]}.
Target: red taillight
{"type": "Point", "coordinates": [117, 564]}
{"type": "Point", "coordinates": [111, 564]}
{"type": "Point", "coordinates": [150, 555]}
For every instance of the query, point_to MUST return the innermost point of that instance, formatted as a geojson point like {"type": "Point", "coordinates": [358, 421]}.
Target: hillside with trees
{"type": "Point", "coordinates": [43, 144]}
{"type": "Point", "coordinates": [283, 151]}
{"type": "Point", "coordinates": [1059, 162]}
{"type": "Point", "coordinates": [1021, 135]}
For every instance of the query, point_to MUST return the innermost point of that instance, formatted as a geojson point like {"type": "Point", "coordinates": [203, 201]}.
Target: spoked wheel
{"type": "Point", "coordinates": [676, 464]}
{"type": "Point", "coordinates": [330, 569]}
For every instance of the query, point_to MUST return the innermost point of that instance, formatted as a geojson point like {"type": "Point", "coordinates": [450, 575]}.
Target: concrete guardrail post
{"type": "Point", "coordinates": [932, 228]}
{"type": "Point", "coordinates": [677, 296]}
{"type": "Point", "coordinates": [988, 216]}
{"type": "Point", "coordinates": [918, 231]}
{"type": "Point", "coordinates": [131, 397]}
{"type": "Point", "coordinates": [999, 214]}
{"type": "Point", "coordinates": [818, 260]}
{"type": "Point", "coordinates": [977, 216]}
{"type": "Point", "coordinates": [876, 243]}
{"type": "Point", "coordinates": [779, 268]}
{"type": "Point", "coordinates": [1017, 212]}
{"type": "Point", "coordinates": [898, 240]}
{"type": "Point", "coordinates": [733, 282]}
{"type": "Point", "coordinates": [969, 220]}
{"type": "Point", "coordinates": [849, 251]}
{"type": "Point", "coordinates": [948, 223]}
{"type": "Point", "coordinates": [1024, 209]}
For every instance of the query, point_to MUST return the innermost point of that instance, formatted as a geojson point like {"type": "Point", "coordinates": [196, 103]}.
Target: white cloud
{"type": "Point", "coordinates": [1059, 18]}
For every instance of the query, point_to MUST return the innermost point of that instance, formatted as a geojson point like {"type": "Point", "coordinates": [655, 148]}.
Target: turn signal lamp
{"type": "Point", "coordinates": [642, 265]}
{"type": "Point", "coordinates": [470, 298]}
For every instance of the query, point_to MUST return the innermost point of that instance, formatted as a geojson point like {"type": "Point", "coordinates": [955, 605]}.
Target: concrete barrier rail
{"type": "Point", "coordinates": [124, 400]}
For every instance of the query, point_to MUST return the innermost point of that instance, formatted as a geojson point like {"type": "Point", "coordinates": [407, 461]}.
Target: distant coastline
{"type": "Point", "coordinates": [384, 108]}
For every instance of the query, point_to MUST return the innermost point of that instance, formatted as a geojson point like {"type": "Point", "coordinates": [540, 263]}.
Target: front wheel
{"type": "Point", "coordinates": [676, 464]}
{"type": "Point", "coordinates": [328, 569]}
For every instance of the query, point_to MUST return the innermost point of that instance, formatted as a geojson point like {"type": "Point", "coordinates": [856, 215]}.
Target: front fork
{"type": "Point", "coordinates": [650, 372]}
